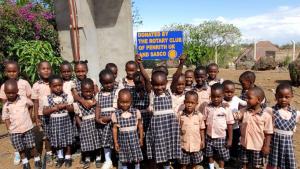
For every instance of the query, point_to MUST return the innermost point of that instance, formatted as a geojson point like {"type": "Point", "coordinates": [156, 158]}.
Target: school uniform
{"type": "Point", "coordinates": [127, 84]}
{"type": "Point", "coordinates": [40, 90]}
{"type": "Point", "coordinates": [162, 137]}
{"type": "Point", "coordinates": [203, 96]}
{"type": "Point", "coordinates": [253, 129]}
{"type": "Point", "coordinates": [141, 102]}
{"type": "Point", "coordinates": [217, 119]}
{"type": "Point", "coordinates": [282, 153]}
{"type": "Point", "coordinates": [20, 129]}
{"type": "Point", "coordinates": [23, 86]}
{"type": "Point", "coordinates": [89, 136]}
{"type": "Point", "coordinates": [217, 80]}
{"type": "Point", "coordinates": [128, 138]}
{"type": "Point", "coordinates": [107, 102]}
{"type": "Point", "coordinates": [190, 126]}
{"type": "Point", "coordinates": [61, 134]}
{"type": "Point", "coordinates": [76, 84]}
{"type": "Point", "coordinates": [177, 101]}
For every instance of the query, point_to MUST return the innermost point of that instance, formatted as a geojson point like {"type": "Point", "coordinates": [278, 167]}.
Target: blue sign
{"type": "Point", "coordinates": [163, 45]}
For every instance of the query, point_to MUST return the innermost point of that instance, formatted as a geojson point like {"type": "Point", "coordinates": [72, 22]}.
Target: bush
{"type": "Point", "coordinates": [265, 63]}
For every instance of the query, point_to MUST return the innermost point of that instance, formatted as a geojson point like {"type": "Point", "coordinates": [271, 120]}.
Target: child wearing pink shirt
{"type": "Point", "coordinates": [218, 119]}
{"type": "Point", "coordinates": [256, 129]}
{"type": "Point", "coordinates": [16, 115]}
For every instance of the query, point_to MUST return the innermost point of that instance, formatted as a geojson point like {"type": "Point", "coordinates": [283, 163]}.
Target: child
{"type": "Point", "coordinates": [41, 89]}
{"type": "Point", "coordinates": [201, 87]}
{"type": "Point", "coordinates": [127, 131]}
{"type": "Point", "coordinates": [57, 105]}
{"type": "Point", "coordinates": [212, 71]}
{"type": "Point", "coordinates": [131, 69]}
{"type": "Point", "coordinates": [282, 153]}
{"type": "Point", "coordinates": [178, 93]}
{"type": "Point", "coordinates": [234, 103]}
{"type": "Point", "coordinates": [106, 104]}
{"type": "Point", "coordinates": [218, 118]}
{"type": "Point", "coordinates": [18, 122]}
{"type": "Point", "coordinates": [114, 69]}
{"type": "Point", "coordinates": [12, 71]}
{"type": "Point", "coordinates": [192, 131]}
{"type": "Point", "coordinates": [256, 129]}
{"type": "Point", "coordinates": [89, 137]}
{"type": "Point", "coordinates": [189, 80]}
{"type": "Point", "coordinates": [162, 138]}
{"type": "Point", "coordinates": [66, 72]}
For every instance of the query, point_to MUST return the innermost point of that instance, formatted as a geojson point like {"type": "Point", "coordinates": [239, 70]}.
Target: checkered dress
{"type": "Point", "coordinates": [46, 125]}
{"type": "Point", "coordinates": [282, 151]}
{"type": "Point", "coordinates": [191, 157]}
{"type": "Point", "coordinates": [216, 145]}
{"type": "Point", "coordinates": [162, 137]}
{"type": "Point", "coordinates": [142, 102]}
{"type": "Point", "coordinates": [126, 86]}
{"type": "Point", "coordinates": [61, 127]}
{"type": "Point", "coordinates": [77, 83]}
{"type": "Point", "coordinates": [105, 130]}
{"type": "Point", "coordinates": [21, 141]}
{"type": "Point", "coordinates": [130, 150]}
{"type": "Point", "coordinates": [89, 137]}
{"type": "Point", "coordinates": [255, 158]}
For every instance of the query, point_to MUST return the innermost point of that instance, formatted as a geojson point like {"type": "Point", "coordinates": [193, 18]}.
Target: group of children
{"type": "Point", "coordinates": [146, 119]}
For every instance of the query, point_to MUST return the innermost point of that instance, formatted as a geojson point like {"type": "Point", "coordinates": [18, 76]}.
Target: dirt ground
{"type": "Point", "coordinates": [268, 80]}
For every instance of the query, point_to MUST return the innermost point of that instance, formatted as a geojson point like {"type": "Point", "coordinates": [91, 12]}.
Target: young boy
{"type": "Point", "coordinates": [218, 119]}
{"type": "Point", "coordinates": [189, 80]}
{"type": "Point", "coordinates": [18, 122]}
{"type": "Point", "coordinates": [212, 71]}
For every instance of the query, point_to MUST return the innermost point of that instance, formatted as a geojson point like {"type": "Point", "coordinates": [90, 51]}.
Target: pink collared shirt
{"type": "Point", "coordinates": [203, 98]}
{"type": "Point", "coordinates": [190, 127]}
{"type": "Point", "coordinates": [253, 127]}
{"type": "Point", "coordinates": [177, 101]}
{"type": "Point", "coordinates": [40, 89]}
{"type": "Point", "coordinates": [217, 119]}
{"type": "Point", "coordinates": [18, 115]}
{"type": "Point", "coordinates": [23, 86]}
{"type": "Point", "coordinates": [67, 87]}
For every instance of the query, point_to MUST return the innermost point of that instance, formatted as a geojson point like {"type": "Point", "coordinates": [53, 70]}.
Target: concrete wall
{"type": "Point", "coordinates": [105, 33]}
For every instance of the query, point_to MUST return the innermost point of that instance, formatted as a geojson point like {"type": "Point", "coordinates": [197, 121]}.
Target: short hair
{"type": "Point", "coordinates": [111, 65]}
{"type": "Point", "coordinates": [138, 76]}
{"type": "Point", "coordinates": [217, 86]}
{"type": "Point", "coordinates": [41, 62]}
{"type": "Point", "coordinates": [54, 77]}
{"type": "Point", "coordinates": [157, 74]}
{"type": "Point", "coordinates": [87, 81]}
{"type": "Point", "coordinates": [81, 62]}
{"type": "Point", "coordinates": [258, 92]}
{"type": "Point", "coordinates": [283, 86]}
{"type": "Point", "coordinates": [105, 72]}
{"type": "Point", "coordinates": [199, 68]}
{"type": "Point", "coordinates": [131, 62]}
{"type": "Point", "coordinates": [248, 75]}
{"type": "Point", "coordinates": [212, 65]}
{"type": "Point", "coordinates": [65, 63]}
{"type": "Point", "coordinates": [189, 71]}
{"type": "Point", "coordinates": [227, 82]}
{"type": "Point", "coordinates": [161, 69]}
{"type": "Point", "coordinates": [11, 82]}
{"type": "Point", "coordinates": [191, 93]}
{"type": "Point", "coordinates": [125, 91]}
{"type": "Point", "coordinates": [13, 63]}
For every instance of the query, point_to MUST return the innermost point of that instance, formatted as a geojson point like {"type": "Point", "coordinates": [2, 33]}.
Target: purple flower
{"type": "Point", "coordinates": [48, 15]}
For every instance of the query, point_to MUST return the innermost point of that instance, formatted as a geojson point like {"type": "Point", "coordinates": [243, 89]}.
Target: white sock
{"type": "Point", "coordinates": [87, 159]}
{"type": "Point", "coordinates": [167, 167]}
{"type": "Point", "coordinates": [124, 167]}
{"type": "Point", "coordinates": [137, 166]}
{"type": "Point", "coordinates": [17, 153]}
{"type": "Point", "coordinates": [49, 153]}
{"type": "Point", "coordinates": [211, 166]}
{"type": "Point", "coordinates": [60, 154]}
{"type": "Point", "coordinates": [67, 157]}
{"type": "Point", "coordinates": [37, 158]}
{"type": "Point", "coordinates": [98, 158]}
{"type": "Point", "coordinates": [107, 154]}
{"type": "Point", "coordinates": [24, 161]}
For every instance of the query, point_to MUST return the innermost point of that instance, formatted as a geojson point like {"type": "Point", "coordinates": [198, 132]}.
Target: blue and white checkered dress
{"type": "Point", "coordinates": [126, 86]}
{"type": "Point", "coordinates": [77, 83]}
{"type": "Point", "coordinates": [61, 134]}
{"type": "Point", "coordinates": [162, 137]}
{"type": "Point", "coordinates": [141, 102]}
{"type": "Point", "coordinates": [130, 150]}
{"type": "Point", "coordinates": [89, 136]}
{"type": "Point", "coordinates": [282, 151]}
{"type": "Point", "coordinates": [105, 130]}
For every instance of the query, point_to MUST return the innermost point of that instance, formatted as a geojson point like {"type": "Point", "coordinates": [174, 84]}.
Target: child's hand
{"type": "Point", "coordinates": [141, 142]}
{"type": "Point", "coordinates": [61, 106]}
{"type": "Point", "coordinates": [265, 150]}
{"type": "Point", "coordinates": [117, 147]}
{"type": "Point", "coordinates": [202, 145]}
{"type": "Point", "coordinates": [229, 143]}
{"type": "Point", "coordinates": [138, 58]}
{"type": "Point", "coordinates": [69, 107]}
{"type": "Point", "coordinates": [38, 122]}
{"type": "Point", "coordinates": [182, 58]}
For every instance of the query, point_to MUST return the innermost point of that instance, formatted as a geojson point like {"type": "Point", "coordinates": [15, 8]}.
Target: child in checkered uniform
{"type": "Point", "coordinates": [256, 129]}
{"type": "Point", "coordinates": [18, 122]}
{"type": "Point", "coordinates": [106, 104]}
{"type": "Point", "coordinates": [114, 69]}
{"type": "Point", "coordinates": [218, 119]}
{"type": "Point", "coordinates": [127, 131]}
{"type": "Point", "coordinates": [131, 69]}
{"type": "Point", "coordinates": [162, 137]}
{"type": "Point", "coordinates": [285, 117]}
{"type": "Point", "coordinates": [57, 105]}
{"type": "Point", "coordinates": [41, 89]}
{"type": "Point", "coordinates": [192, 128]}
{"type": "Point", "coordinates": [89, 136]}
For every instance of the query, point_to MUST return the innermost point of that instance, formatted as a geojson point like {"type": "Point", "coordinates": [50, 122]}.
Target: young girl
{"type": "Point", "coordinates": [57, 105]}
{"type": "Point", "coordinates": [127, 131]}
{"type": "Point", "coordinates": [114, 69]}
{"type": "Point", "coordinates": [256, 129]}
{"type": "Point", "coordinates": [192, 132]}
{"type": "Point", "coordinates": [12, 71]}
{"type": "Point", "coordinates": [178, 93]}
{"type": "Point", "coordinates": [106, 104]}
{"type": "Point", "coordinates": [131, 69]}
{"type": "Point", "coordinates": [66, 72]}
{"type": "Point", "coordinates": [218, 119]}
{"type": "Point", "coordinates": [212, 71]}
{"type": "Point", "coordinates": [162, 138]}
{"type": "Point", "coordinates": [282, 153]}
{"type": "Point", "coordinates": [17, 118]}
{"type": "Point", "coordinates": [189, 80]}
{"type": "Point", "coordinates": [41, 89]}
{"type": "Point", "coordinates": [89, 137]}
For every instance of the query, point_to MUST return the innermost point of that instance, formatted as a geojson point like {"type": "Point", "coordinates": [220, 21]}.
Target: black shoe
{"type": "Point", "coordinates": [68, 163]}
{"type": "Point", "coordinates": [98, 163]}
{"type": "Point", "coordinates": [86, 164]}
{"type": "Point", "coordinates": [26, 166]}
{"type": "Point", "coordinates": [59, 163]}
{"type": "Point", "coordinates": [37, 165]}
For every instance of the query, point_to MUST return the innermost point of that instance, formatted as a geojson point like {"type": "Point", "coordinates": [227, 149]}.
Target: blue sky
{"type": "Point", "coordinates": [275, 20]}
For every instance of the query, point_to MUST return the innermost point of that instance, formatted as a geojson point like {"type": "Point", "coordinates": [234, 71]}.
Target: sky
{"type": "Point", "coordinates": [274, 20]}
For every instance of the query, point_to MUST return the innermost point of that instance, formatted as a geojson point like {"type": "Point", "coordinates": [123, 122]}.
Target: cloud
{"type": "Point", "coordinates": [279, 26]}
